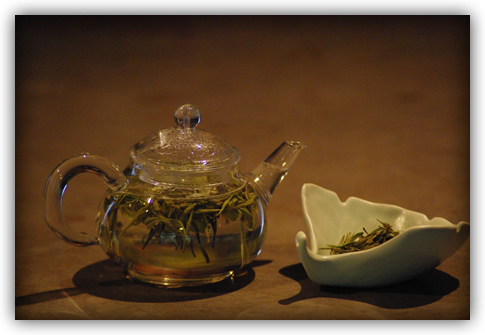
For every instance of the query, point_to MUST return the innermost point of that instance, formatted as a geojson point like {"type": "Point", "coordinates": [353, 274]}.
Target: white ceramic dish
{"type": "Point", "coordinates": [422, 243]}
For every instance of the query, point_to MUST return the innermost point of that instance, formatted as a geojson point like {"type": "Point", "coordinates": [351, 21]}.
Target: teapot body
{"type": "Point", "coordinates": [184, 236]}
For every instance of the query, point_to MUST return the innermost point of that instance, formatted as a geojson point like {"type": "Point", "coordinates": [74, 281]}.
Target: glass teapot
{"type": "Point", "coordinates": [181, 213]}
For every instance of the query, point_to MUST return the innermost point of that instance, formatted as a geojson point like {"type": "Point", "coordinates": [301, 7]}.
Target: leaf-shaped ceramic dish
{"type": "Point", "coordinates": [422, 244]}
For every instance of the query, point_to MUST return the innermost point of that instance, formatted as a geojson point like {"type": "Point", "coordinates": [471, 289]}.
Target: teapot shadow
{"type": "Point", "coordinates": [108, 280]}
{"type": "Point", "coordinates": [422, 290]}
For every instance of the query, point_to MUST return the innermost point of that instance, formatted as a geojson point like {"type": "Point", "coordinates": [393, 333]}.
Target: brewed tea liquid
{"type": "Point", "coordinates": [170, 240]}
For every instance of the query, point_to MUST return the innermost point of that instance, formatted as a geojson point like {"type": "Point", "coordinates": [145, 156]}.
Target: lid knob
{"type": "Point", "coordinates": [187, 117]}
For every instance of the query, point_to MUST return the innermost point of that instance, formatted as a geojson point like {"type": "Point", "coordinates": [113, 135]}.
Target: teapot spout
{"type": "Point", "coordinates": [268, 174]}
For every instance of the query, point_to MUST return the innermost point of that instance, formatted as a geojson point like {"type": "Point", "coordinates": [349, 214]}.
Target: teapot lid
{"type": "Point", "coordinates": [184, 147]}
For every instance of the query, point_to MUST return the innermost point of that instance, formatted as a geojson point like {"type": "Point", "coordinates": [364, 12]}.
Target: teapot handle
{"type": "Point", "coordinates": [57, 184]}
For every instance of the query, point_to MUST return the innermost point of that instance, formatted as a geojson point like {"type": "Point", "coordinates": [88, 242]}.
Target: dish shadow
{"type": "Point", "coordinates": [108, 280]}
{"type": "Point", "coordinates": [422, 290]}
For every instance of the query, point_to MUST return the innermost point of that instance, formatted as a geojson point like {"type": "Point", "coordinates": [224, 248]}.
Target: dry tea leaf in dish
{"type": "Point", "coordinates": [351, 242]}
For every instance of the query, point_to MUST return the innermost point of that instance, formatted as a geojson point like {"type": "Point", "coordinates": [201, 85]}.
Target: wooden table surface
{"type": "Point", "coordinates": [382, 104]}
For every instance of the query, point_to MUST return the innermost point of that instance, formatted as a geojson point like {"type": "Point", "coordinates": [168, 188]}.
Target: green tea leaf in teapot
{"type": "Point", "coordinates": [359, 241]}
{"type": "Point", "coordinates": [183, 216]}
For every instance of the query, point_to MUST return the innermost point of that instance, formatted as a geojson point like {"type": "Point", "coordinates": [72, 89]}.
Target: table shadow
{"type": "Point", "coordinates": [108, 280]}
{"type": "Point", "coordinates": [422, 290]}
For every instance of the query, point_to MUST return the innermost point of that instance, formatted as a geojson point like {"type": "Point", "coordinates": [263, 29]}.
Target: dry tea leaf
{"type": "Point", "coordinates": [363, 240]}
